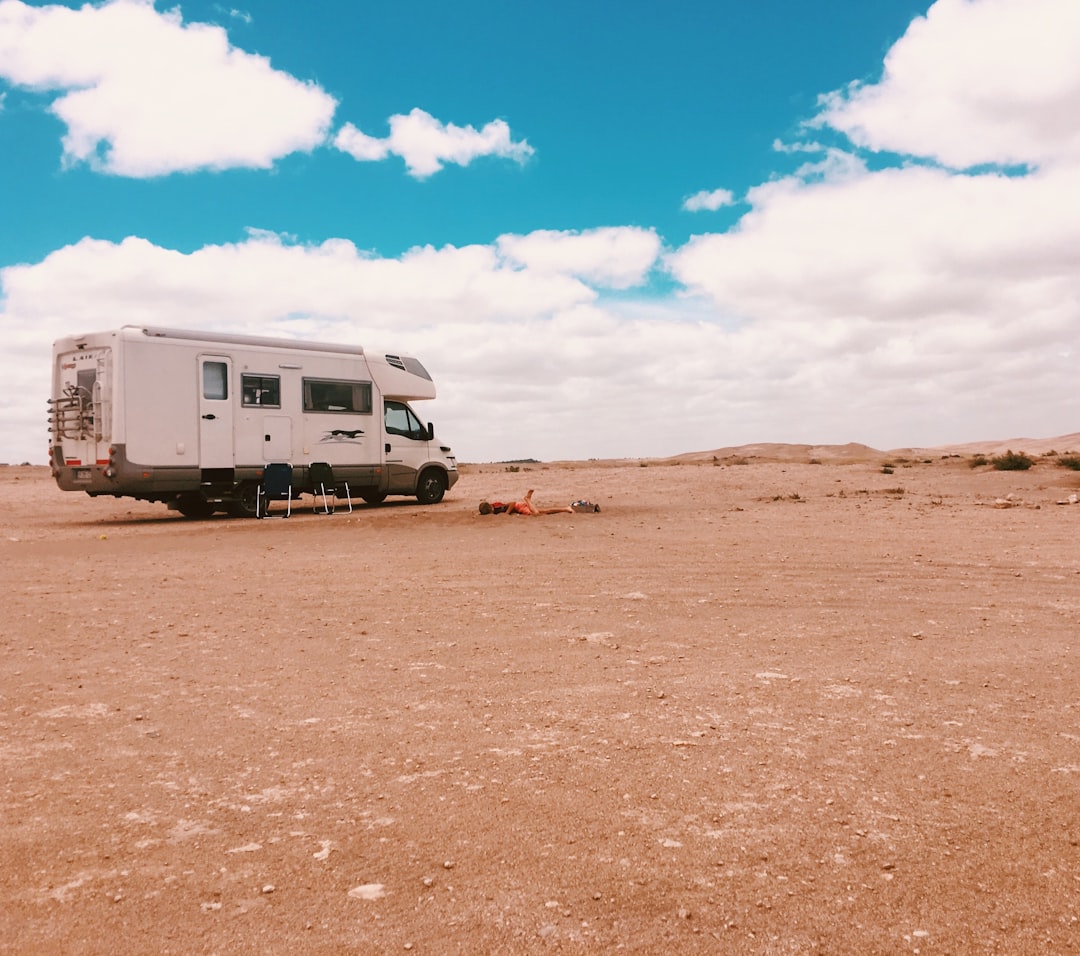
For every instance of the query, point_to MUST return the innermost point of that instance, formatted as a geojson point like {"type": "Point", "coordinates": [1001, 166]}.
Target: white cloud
{"type": "Point", "coordinates": [148, 95]}
{"type": "Point", "coordinates": [241, 15]}
{"type": "Point", "coordinates": [616, 258]}
{"type": "Point", "coordinates": [143, 94]}
{"type": "Point", "coordinates": [426, 144]}
{"type": "Point", "coordinates": [710, 200]}
{"type": "Point", "coordinates": [801, 146]}
{"type": "Point", "coordinates": [974, 82]}
{"type": "Point", "coordinates": [267, 281]}
{"type": "Point", "coordinates": [911, 245]}
{"type": "Point", "coordinates": [360, 146]}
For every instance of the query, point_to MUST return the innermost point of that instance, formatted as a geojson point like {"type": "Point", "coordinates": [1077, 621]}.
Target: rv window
{"type": "Point", "coordinates": [215, 380]}
{"type": "Point", "coordinates": [86, 378]}
{"type": "Point", "coordinates": [262, 390]}
{"type": "Point", "coordinates": [325, 395]}
{"type": "Point", "coordinates": [400, 420]}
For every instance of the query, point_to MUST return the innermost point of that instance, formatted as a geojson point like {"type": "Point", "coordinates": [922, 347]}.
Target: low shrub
{"type": "Point", "coordinates": [1012, 461]}
{"type": "Point", "coordinates": [1070, 461]}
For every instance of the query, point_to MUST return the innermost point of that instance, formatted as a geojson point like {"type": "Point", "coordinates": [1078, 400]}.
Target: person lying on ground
{"type": "Point", "coordinates": [523, 507]}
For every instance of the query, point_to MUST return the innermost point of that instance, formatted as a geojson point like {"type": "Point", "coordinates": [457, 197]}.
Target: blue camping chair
{"type": "Point", "coordinates": [276, 486]}
{"type": "Point", "coordinates": [323, 486]}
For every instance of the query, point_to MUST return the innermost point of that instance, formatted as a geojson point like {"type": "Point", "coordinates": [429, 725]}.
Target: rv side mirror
{"type": "Point", "coordinates": [430, 432]}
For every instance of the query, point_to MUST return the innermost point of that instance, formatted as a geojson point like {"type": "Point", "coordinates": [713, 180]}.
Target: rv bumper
{"type": "Point", "coordinates": [117, 476]}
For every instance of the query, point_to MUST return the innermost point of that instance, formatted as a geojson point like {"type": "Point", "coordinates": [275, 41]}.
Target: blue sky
{"type": "Point", "coordinates": [609, 230]}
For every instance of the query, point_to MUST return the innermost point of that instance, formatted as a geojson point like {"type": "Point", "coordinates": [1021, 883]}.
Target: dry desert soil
{"type": "Point", "coordinates": [755, 705]}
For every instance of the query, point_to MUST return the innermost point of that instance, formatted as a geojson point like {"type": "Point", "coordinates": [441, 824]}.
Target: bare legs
{"type": "Point", "coordinates": [533, 510]}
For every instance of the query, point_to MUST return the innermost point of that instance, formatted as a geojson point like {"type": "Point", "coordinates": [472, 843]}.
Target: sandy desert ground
{"type": "Point", "coordinates": [755, 705]}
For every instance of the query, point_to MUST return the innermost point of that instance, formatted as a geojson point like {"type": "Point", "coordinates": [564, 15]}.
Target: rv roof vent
{"type": "Point", "coordinates": [408, 364]}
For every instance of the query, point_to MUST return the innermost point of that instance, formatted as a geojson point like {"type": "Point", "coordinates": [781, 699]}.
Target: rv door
{"type": "Point", "coordinates": [406, 446]}
{"type": "Point", "coordinates": [215, 412]}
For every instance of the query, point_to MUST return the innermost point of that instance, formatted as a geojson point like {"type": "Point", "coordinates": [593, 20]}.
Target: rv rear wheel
{"type": "Point", "coordinates": [246, 503]}
{"type": "Point", "coordinates": [431, 487]}
{"type": "Point", "coordinates": [374, 497]}
{"type": "Point", "coordinates": [194, 505]}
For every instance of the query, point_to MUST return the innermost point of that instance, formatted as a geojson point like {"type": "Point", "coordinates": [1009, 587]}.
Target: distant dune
{"type": "Point", "coordinates": [854, 452]}
{"type": "Point", "coordinates": [1033, 446]}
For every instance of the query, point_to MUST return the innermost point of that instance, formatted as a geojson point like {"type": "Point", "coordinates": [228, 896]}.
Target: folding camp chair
{"type": "Point", "coordinates": [323, 485]}
{"type": "Point", "coordinates": [276, 486]}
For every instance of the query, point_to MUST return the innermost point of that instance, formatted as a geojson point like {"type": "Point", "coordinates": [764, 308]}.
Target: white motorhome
{"type": "Point", "coordinates": [192, 418]}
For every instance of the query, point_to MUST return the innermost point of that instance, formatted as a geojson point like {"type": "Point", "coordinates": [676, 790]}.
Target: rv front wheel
{"type": "Point", "coordinates": [194, 505]}
{"type": "Point", "coordinates": [431, 487]}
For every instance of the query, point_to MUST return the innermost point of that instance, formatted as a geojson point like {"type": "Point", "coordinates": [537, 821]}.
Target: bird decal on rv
{"type": "Point", "coordinates": [342, 435]}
